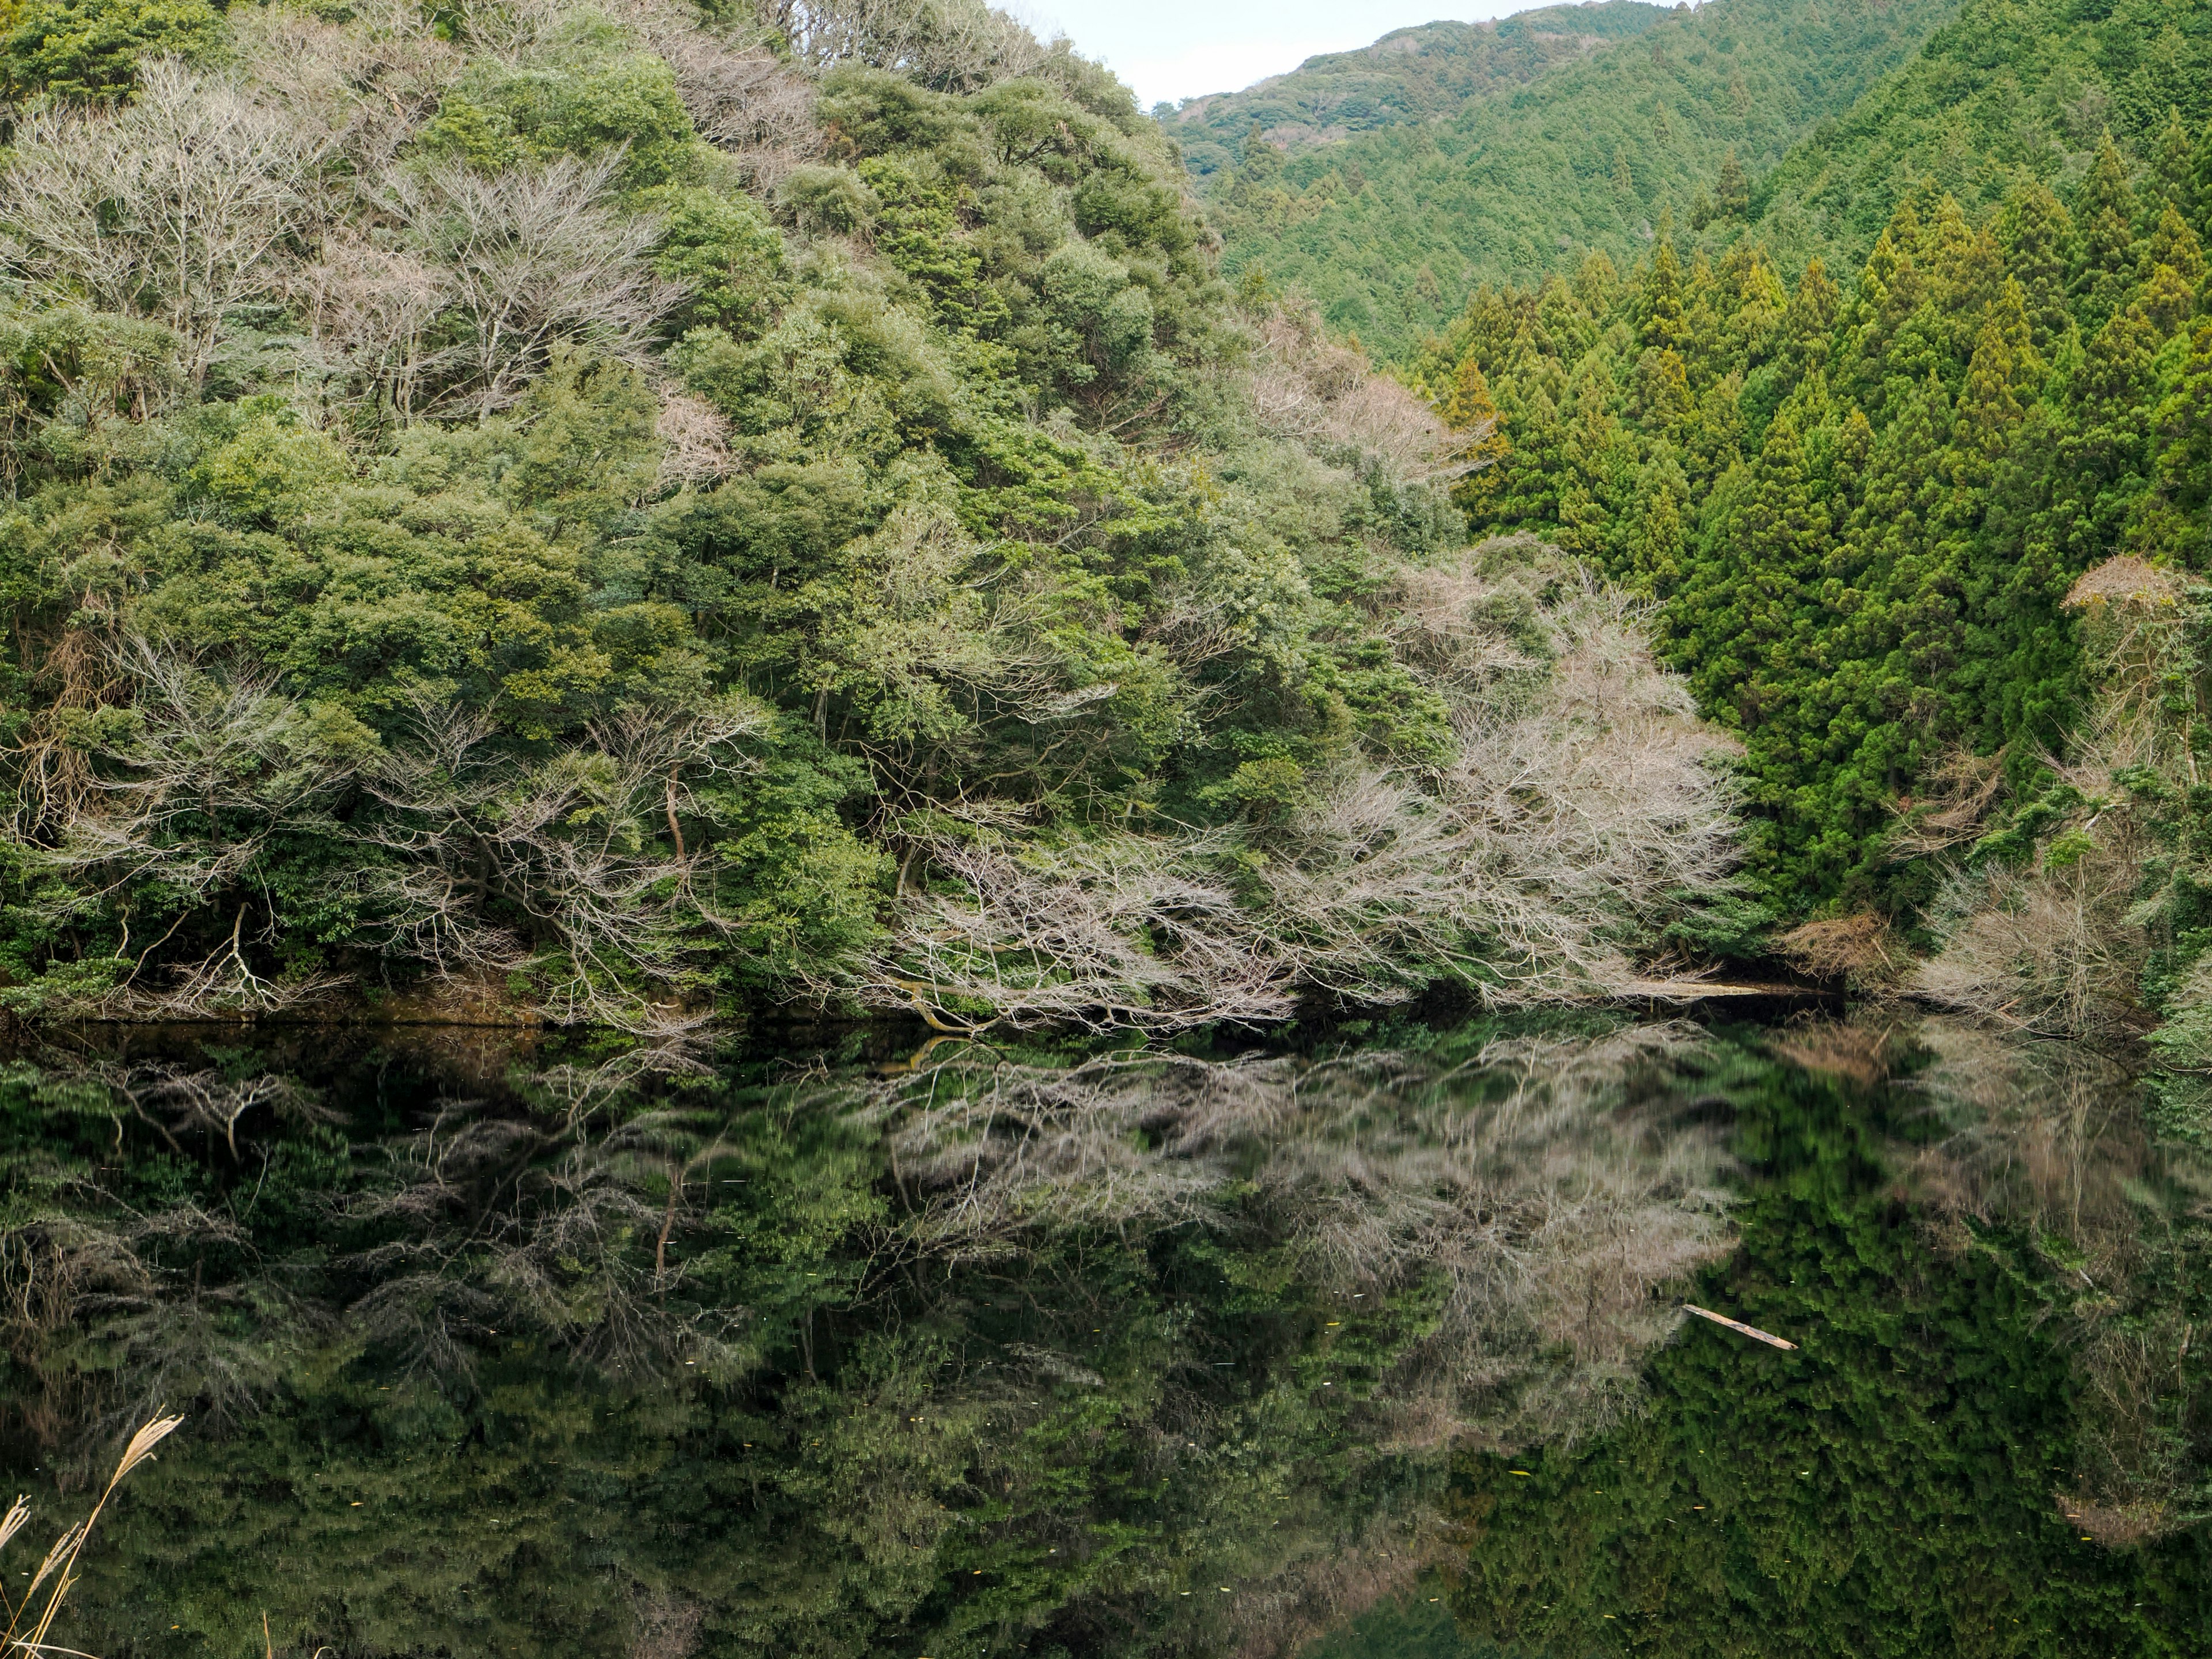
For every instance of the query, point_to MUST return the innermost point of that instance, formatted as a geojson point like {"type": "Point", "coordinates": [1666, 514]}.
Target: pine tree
{"type": "Point", "coordinates": [1659, 311]}
{"type": "Point", "coordinates": [1468, 408]}
{"type": "Point", "coordinates": [2105, 209]}
{"type": "Point", "coordinates": [1732, 197]}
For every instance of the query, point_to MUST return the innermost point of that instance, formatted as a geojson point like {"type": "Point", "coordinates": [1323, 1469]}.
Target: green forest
{"type": "Point", "coordinates": [1388, 230]}
{"type": "Point", "coordinates": [630, 516]}
{"type": "Point", "coordinates": [1407, 77]}
{"type": "Point", "coordinates": [531, 1351]}
{"type": "Point", "coordinates": [1923, 532]}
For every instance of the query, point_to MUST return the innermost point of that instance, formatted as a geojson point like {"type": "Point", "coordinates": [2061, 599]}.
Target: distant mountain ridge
{"type": "Point", "coordinates": [1410, 74]}
{"type": "Point", "coordinates": [1389, 230]}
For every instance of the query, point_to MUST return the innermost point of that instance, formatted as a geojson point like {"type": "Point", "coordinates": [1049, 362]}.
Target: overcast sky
{"type": "Point", "coordinates": [1171, 49]}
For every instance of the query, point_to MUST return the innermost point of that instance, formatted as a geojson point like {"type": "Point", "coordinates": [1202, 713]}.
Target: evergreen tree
{"type": "Point", "coordinates": [1469, 408]}
{"type": "Point", "coordinates": [1660, 316]}
{"type": "Point", "coordinates": [1732, 196]}
{"type": "Point", "coordinates": [2105, 208]}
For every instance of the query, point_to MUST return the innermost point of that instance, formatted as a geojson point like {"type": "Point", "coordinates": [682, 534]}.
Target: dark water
{"type": "Point", "coordinates": [1360, 1350]}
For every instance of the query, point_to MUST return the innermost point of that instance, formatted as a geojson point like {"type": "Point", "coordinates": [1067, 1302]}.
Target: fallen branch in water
{"type": "Point", "coordinates": [1737, 1325]}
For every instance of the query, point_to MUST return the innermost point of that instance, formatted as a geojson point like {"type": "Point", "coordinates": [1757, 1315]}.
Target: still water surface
{"type": "Point", "coordinates": [1369, 1349]}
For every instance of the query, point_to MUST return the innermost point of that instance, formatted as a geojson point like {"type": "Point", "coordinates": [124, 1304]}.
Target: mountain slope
{"type": "Point", "coordinates": [1409, 76]}
{"type": "Point", "coordinates": [1388, 231]}
{"type": "Point", "coordinates": [2000, 92]}
{"type": "Point", "coordinates": [1930, 533]}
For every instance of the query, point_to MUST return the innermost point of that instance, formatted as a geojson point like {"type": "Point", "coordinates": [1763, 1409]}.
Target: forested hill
{"type": "Point", "coordinates": [636, 512]}
{"type": "Point", "coordinates": [2029, 87]}
{"type": "Point", "coordinates": [1929, 531]}
{"type": "Point", "coordinates": [1410, 74]}
{"type": "Point", "coordinates": [1388, 231]}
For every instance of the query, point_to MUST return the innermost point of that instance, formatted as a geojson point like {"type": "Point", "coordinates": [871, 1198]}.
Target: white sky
{"type": "Point", "coordinates": [1171, 49]}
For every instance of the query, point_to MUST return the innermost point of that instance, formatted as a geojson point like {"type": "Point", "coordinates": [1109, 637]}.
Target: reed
{"type": "Point", "coordinates": [60, 1563]}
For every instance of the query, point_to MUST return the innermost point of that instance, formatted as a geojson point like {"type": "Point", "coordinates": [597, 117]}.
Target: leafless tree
{"type": "Point", "coordinates": [1125, 931]}
{"type": "Point", "coordinates": [1305, 387]}
{"type": "Point", "coordinates": [697, 437]}
{"type": "Point", "coordinates": [955, 45]}
{"type": "Point", "coordinates": [2047, 1139]}
{"type": "Point", "coordinates": [1552, 1205]}
{"type": "Point", "coordinates": [370, 310]}
{"type": "Point", "coordinates": [533, 257]}
{"type": "Point", "coordinates": [742, 97]}
{"type": "Point", "coordinates": [175, 206]}
{"type": "Point", "coordinates": [2059, 947]}
{"type": "Point", "coordinates": [1581, 811]}
{"type": "Point", "coordinates": [368, 86]}
{"type": "Point", "coordinates": [460, 851]}
{"type": "Point", "coordinates": [489, 857]}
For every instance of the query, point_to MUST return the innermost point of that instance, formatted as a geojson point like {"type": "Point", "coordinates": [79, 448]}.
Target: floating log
{"type": "Point", "coordinates": [1738, 1326]}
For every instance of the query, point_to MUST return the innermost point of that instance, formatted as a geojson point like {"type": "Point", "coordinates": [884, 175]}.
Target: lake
{"type": "Point", "coordinates": [1366, 1344]}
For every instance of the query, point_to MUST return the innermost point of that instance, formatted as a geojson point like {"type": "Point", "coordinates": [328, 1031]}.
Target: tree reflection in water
{"type": "Point", "coordinates": [1018, 1352]}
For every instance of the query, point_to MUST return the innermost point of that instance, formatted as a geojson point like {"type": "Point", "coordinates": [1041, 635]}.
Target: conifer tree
{"type": "Point", "coordinates": [1660, 315]}
{"type": "Point", "coordinates": [2037, 234]}
{"type": "Point", "coordinates": [2175, 519]}
{"type": "Point", "coordinates": [1658, 520]}
{"type": "Point", "coordinates": [1469, 408]}
{"type": "Point", "coordinates": [1732, 196]}
{"type": "Point", "coordinates": [2105, 210]}
{"type": "Point", "coordinates": [2171, 163]}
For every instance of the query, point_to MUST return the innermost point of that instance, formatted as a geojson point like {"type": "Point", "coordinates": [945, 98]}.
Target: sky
{"type": "Point", "coordinates": [1171, 50]}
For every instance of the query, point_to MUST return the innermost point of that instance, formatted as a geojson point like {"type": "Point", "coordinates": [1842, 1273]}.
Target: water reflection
{"type": "Point", "coordinates": [1119, 1354]}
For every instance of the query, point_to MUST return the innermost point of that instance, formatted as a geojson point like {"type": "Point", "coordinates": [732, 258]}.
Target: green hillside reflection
{"type": "Point", "coordinates": [1128, 1353]}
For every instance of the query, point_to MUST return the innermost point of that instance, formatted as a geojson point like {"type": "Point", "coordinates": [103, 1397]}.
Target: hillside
{"type": "Point", "coordinates": [2001, 91]}
{"type": "Point", "coordinates": [626, 517]}
{"type": "Point", "coordinates": [1390, 230]}
{"type": "Point", "coordinates": [1410, 74]}
{"type": "Point", "coordinates": [1929, 532]}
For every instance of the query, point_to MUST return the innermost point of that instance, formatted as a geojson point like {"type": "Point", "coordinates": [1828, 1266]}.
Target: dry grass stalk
{"type": "Point", "coordinates": [60, 1562]}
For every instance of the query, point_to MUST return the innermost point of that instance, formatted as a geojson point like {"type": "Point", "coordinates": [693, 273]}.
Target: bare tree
{"type": "Point", "coordinates": [2058, 947]}
{"type": "Point", "coordinates": [1581, 811]}
{"type": "Point", "coordinates": [533, 257]}
{"type": "Point", "coordinates": [1305, 387]}
{"type": "Point", "coordinates": [370, 311]}
{"type": "Point", "coordinates": [742, 97]}
{"type": "Point", "coordinates": [1123, 931]}
{"type": "Point", "coordinates": [955, 45]}
{"type": "Point", "coordinates": [175, 206]}
{"type": "Point", "coordinates": [457, 849]}
{"type": "Point", "coordinates": [368, 87]}
{"type": "Point", "coordinates": [490, 857]}
{"type": "Point", "coordinates": [1552, 1207]}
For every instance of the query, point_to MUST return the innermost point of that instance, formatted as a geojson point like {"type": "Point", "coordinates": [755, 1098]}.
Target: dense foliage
{"type": "Point", "coordinates": [1757, 1509]}
{"type": "Point", "coordinates": [634, 515]}
{"type": "Point", "coordinates": [1390, 230]}
{"type": "Point", "coordinates": [804, 1362]}
{"type": "Point", "coordinates": [1864, 507]}
{"type": "Point", "coordinates": [1409, 76]}
{"type": "Point", "coordinates": [1134, 1353]}
{"type": "Point", "coordinates": [1999, 93]}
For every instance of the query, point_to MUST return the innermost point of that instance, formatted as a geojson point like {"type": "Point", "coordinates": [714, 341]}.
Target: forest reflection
{"type": "Point", "coordinates": [1118, 1352]}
